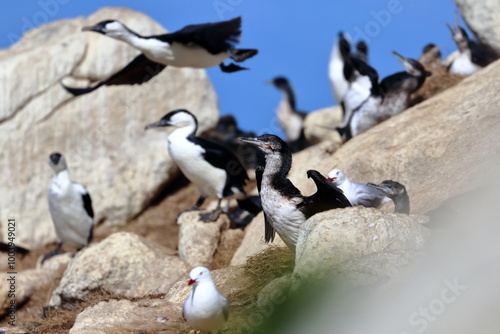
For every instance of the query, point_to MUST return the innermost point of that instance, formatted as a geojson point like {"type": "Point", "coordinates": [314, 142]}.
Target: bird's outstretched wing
{"type": "Point", "coordinates": [215, 37]}
{"type": "Point", "coordinates": [327, 196]}
{"type": "Point", "coordinates": [138, 71]}
{"type": "Point", "coordinates": [269, 232]}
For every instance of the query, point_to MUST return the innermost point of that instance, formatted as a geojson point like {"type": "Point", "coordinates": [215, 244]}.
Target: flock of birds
{"type": "Point", "coordinates": [218, 173]}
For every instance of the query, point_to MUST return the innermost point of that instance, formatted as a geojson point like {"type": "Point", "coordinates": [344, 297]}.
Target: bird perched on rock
{"type": "Point", "coordinates": [70, 207]}
{"type": "Point", "coordinates": [205, 309]}
{"type": "Point", "coordinates": [197, 45]}
{"type": "Point", "coordinates": [213, 169]}
{"type": "Point", "coordinates": [396, 192]}
{"type": "Point", "coordinates": [471, 55]}
{"type": "Point", "coordinates": [285, 208]}
{"type": "Point", "coordinates": [289, 118]}
{"type": "Point", "coordinates": [388, 98]}
{"type": "Point", "coordinates": [357, 193]}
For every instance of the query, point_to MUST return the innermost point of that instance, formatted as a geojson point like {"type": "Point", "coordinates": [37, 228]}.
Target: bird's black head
{"type": "Point", "coordinates": [362, 48]}
{"type": "Point", "coordinates": [390, 188]}
{"type": "Point", "coordinates": [412, 66]}
{"type": "Point", "coordinates": [344, 45]}
{"type": "Point", "coordinates": [267, 143]}
{"type": "Point", "coordinates": [280, 83]}
{"type": "Point", "coordinates": [57, 162]}
{"type": "Point", "coordinates": [111, 28]}
{"type": "Point", "coordinates": [178, 118]}
{"type": "Point", "coordinates": [364, 69]}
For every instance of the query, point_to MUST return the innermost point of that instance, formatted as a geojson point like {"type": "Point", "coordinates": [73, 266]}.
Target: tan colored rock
{"type": "Point", "coordinates": [253, 241]}
{"type": "Point", "coordinates": [230, 241]}
{"type": "Point", "coordinates": [198, 241]}
{"type": "Point", "coordinates": [123, 264]}
{"type": "Point", "coordinates": [25, 284]}
{"type": "Point", "coordinates": [483, 18]}
{"type": "Point", "coordinates": [358, 241]}
{"type": "Point", "coordinates": [101, 134]}
{"type": "Point", "coordinates": [438, 149]}
{"type": "Point", "coordinates": [125, 316]}
{"type": "Point", "coordinates": [319, 125]}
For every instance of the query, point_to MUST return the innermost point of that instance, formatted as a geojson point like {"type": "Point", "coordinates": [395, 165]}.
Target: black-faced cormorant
{"type": "Point", "coordinates": [197, 45]}
{"type": "Point", "coordinates": [213, 169]}
{"type": "Point", "coordinates": [396, 192]}
{"type": "Point", "coordinates": [70, 207]}
{"type": "Point", "coordinates": [387, 98]}
{"type": "Point", "coordinates": [289, 118]}
{"type": "Point", "coordinates": [285, 208]}
{"type": "Point", "coordinates": [471, 55]}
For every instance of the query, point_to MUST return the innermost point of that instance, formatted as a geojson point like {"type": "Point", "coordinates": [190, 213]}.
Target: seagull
{"type": "Point", "coordinates": [197, 45]}
{"type": "Point", "coordinates": [205, 309]}
{"type": "Point", "coordinates": [357, 193]}
{"type": "Point", "coordinates": [70, 207]}
{"type": "Point", "coordinates": [285, 208]}
{"type": "Point", "coordinates": [396, 192]}
{"type": "Point", "coordinates": [213, 168]}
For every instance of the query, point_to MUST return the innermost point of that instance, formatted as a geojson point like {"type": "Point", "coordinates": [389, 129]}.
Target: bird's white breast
{"type": "Point", "coordinates": [462, 65]}
{"type": "Point", "coordinates": [358, 92]}
{"type": "Point", "coordinates": [209, 180]}
{"type": "Point", "coordinates": [282, 214]}
{"type": "Point", "coordinates": [71, 221]}
{"type": "Point", "coordinates": [180, 55]}
{"type": "Point", "coordinates": [336, 75]}
{"type": "Point", "coordinates": [289, 121]}
{"type": "Point", "coordinates": [204, 308]}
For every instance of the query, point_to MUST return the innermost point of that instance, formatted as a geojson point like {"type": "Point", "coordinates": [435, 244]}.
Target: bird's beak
{"type": "Point", "coordinates": [400, 57]}
{"type": "Point", "coordinates": [268, 82]}
{"type": "Point", "coordinates": [158, 124]}
{"type": "Point", "coordinates": [451, 28]}
{"type": "Point", "coordinates": [95, 28]}
{"type": "Point", "coordinates": [331, 179]}
{"type": "Point", "coordinates": [378, 187]}
{"type": "Point", "coordinates": [250, 140]}
{"type": "Point", "coordinates": [191, 281]}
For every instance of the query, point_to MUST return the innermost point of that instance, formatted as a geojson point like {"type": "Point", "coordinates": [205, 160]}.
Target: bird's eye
{"type": "Point", "coordinates": [201, 273]}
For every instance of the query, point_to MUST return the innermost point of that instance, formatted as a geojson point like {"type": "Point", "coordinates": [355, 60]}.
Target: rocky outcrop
{"type": "Point", "coordinates": [125, 316]}
{"type": "Point", "coordinates": [483, 18]}
{"type": "Point", "coordinates": [364, 243]}
{"type": "Point", "coordinates": [124, 264]}
{"type": "Point", "coordinates": [101, 133]}
{"type": "Point", "coordinates": [198, 240]}
{"type": "Point", "coordinates": [438, 149]}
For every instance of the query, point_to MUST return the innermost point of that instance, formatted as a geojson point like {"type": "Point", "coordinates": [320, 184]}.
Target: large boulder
{"type": "Point", "coordinates": [438, 149]}
{"type": "Point", "coordinates": [364, 243]}
{"type": "Point", "coordinates": [123, 264]}
{"type": "Point", "coordinates": [101, 134]}
{"type": "Point", "coordinates": [483, 18]}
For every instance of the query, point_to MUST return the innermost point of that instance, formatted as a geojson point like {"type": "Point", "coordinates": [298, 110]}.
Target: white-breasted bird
{"type": "Point", "coordinates": [205, 309]}
{"type": "Point", "coordinates": [357, 193]}
{"type": "Point", "coordinates": [213, 169]}
{"type": "Point", "coordinates": [197, 45]}
{"type": "Point", "coordinates": [70, 207]}
{"type": "Point", "coordinates": [285, 208]}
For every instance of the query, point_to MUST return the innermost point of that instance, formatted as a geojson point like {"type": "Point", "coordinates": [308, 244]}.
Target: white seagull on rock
{"type": "Point", "coordinates": [357, 193]}
{"type": "Point", "coordinates": [206, 309]}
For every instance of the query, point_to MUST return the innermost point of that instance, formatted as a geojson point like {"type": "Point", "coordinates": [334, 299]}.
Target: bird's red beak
{"type": "Point", "coordinates": [191, 281]}
{"type": "Point", "coordinates": [331, 179]}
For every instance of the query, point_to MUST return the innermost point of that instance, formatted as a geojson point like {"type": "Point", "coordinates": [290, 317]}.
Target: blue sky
{"type": "Point", "coordinates": [294, 39]}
